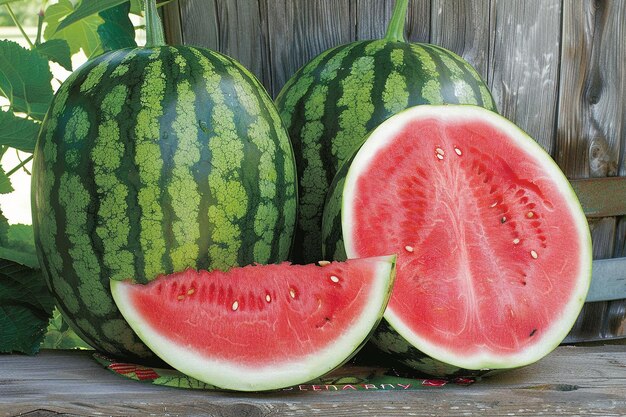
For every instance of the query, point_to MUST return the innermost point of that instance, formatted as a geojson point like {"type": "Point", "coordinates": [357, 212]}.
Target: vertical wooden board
{"type": "Point", "coordinates": [372, 18]}
{"type": "Point", "coordinates": [299, 30]}
{"type": "Point", "coordinates": [232, 27]}
{"type": "Point", "coordinates": [524, 62]}
{"type": "Point", "coordinates": [590, 131]}
{"type": "Point", "coordinates": [418, 21]}
{"type": "Point", "coordinates": [200, 23]}
{"type": "Point", "coordinates": [172, 24]}
{"type": "Point", "coordinates": [241, 35]}
{"type": "Point", "coordinates": [592, 112]}
{"type": "Point", "coordinates": [463, 27]}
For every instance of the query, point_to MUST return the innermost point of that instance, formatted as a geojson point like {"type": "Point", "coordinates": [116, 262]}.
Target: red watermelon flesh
{"type": "Point", "coordinates": [259, 327]}
{"type": "Point", "coordinates": [494, 253]}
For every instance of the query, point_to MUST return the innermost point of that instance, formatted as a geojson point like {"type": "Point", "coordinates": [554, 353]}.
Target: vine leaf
{"type": "Point", "coordinates": [82, 34]}
{"type": "Point", "coordinates": [87, 8]}
{"type": "Point", "coordinates": [25, 308]}
{"type": "Point", "coordinates": [57, 50]}
{"type": "Point", "coordinates": [25, 79]}
{"type": "Point", "coordinates": [18, 132]}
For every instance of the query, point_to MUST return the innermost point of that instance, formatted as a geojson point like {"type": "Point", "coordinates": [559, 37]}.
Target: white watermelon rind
{"type": "Point", "coordinates": [379, 138]}
{"type": "Point", "coordinates": [281, 374]}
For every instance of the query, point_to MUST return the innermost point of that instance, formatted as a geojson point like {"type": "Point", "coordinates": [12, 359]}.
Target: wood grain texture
{"type": "Point", "coordinates": [524, 62]}
{"type": "Point", "coordinates": [300, 30]}
{"type": "Point", "coordinates": [463, 27]}
{"type": "Point", "coordinates": [418, 21]}
{"type": "Point", "coordinates": [201, 23]}
{"type": "Point", "coordinates": [570, 381]}
{"type": "Point", "coordinates": [172, 24]}
{"type": "Point", "coordinates": [371, 18]}
{"type": "Point", "coordinates": [590, 133]}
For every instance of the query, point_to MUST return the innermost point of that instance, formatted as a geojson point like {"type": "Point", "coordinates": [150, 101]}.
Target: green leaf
{"type": "Point", "coordinates": [57, 50]}
{"type": "Point", "coordinates": [18, 132]}
{"type": "Point", "coordinates": [86, 8]}
{"type": "Point", "coordinates": [4, 229]}
{"type": "Point", "coordinates": [81, 35]}
{"type": "Point", "coordinates": [7, 1]}
{"type": "Point", "coordinates": [117, 31]}
{"type": "Point", "coordinates": [19, 245]}
{"type": "Point", "coordinates": [25, 79]}
{"type": "Point", "coordinates": [25, 308]}
{"type": "Point", "coordinates": [5, 183]}
{"type": "Point", "coordinates": [60, 336]}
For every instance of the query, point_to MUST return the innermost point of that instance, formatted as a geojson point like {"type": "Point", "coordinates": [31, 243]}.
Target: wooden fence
{"type": "Point", "coordinates": [555, 67]}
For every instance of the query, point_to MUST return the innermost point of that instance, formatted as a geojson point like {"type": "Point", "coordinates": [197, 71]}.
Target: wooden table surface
{"type": "Point", "coordinates": [581, 381]}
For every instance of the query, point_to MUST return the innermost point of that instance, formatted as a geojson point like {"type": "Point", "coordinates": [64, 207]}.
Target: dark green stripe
{"type": "Point", "coordinates": [475, 80]}
{"type": "Point", "coordinates": [226, 156]}
{"type": "Point", "coordinates": [149, 162]}
{"type": "Point", "coordinates": [128, 169]}
{"type": "Point", "coordinates": [182, 188]}
{"type": "Point", "coordinates": [416, 75]}
{"type": "Point", "coordinates": [201, 169]}
{"type": "Point", "coordinates": [446, 78]}
{"type": "Point", "coordinates": [383, 70]}
{"type": "Point", "coordinates": [337, 66]}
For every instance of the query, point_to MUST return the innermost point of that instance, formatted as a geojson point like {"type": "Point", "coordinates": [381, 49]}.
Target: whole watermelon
{"type": "Point", "coordinates": [150, 161]}
{"type": "Point", "coordinates": [332, 102]}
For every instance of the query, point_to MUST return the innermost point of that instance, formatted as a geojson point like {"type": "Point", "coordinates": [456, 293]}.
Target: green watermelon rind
{"type": "Point", "coordinates": [281, 374]}
{"type": "Point", "coordinates": [329, 104]}
{"type": "Point", "coordinates": [150, 161]}
{"type": "Point", "coordinates": [396, 338]}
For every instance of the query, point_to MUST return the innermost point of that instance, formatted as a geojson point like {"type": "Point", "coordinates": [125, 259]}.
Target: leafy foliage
{"type": "Point", "coordinates": [57, 50]}
{"type": "Point", "coordinates": [17, 245]}
{"type": "Point", "coordinates": [82, 34]}
{"type": "Point", "coordinates": [116, 32]}
{"type": "Point", "coordinates": [25, 308]}
{"type": "Point", "coordinates": [18, 132]}
{"type": "Point", "coordinates": [61, 336]}
{"type": "Point", "coordinates": [92, 27]}
{"type": "Point", "coordinates": [25, 79]}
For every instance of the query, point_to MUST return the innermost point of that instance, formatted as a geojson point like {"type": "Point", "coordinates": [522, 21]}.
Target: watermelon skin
{"type": "Point", "coordinates": [260, 327]}
{"type": "Point", "coordinates": [392, 336]}
{"type": "Point", "coordinates": [331, 103]}
{"type": "Point", "coordinates": [150, 161]}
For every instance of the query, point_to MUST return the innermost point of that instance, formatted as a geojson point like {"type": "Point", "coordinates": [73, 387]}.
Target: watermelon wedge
{"type": "Point", "coordinates": [259, 327]}
{"type": "Point", "coordinates": [494, 251]}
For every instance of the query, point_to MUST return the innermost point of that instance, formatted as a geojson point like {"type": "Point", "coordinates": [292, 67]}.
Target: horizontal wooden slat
{"type": "Point", "coordinates": [580, 381]}
{"type": "Point", "coordinates": [601, 197]}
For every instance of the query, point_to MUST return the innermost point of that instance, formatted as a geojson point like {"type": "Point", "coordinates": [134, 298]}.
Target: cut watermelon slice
{"type": "Point", "coordinates": [494, 251]}
{"type": "Point", "coordinates": [259, 327]}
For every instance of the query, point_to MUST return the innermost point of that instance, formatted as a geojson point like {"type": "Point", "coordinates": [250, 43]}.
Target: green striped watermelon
{"type": "Point", "coordinates": [150, 161]}
{"type": "Point", "coordinates": [331, 103]}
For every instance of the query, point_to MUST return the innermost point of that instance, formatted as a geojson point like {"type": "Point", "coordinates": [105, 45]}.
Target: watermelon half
{"type": "Point", "coordinates": [494, 251]}
{"type": "Point", "coordinates": [259, 327]}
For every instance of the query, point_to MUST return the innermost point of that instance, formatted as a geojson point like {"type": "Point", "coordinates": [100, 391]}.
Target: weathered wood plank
{"type": "Point", "coordinates": [300, 30]}
{"type": "Point", "coordinates": [463, 27]}
{"type": "Point", "coordinates": [570, 381]}
{"type": "Point", "coordinates": [372, 17]}
{"type": "Point", "coordinates": [201, 23]}
{"type": "Point", "coordinates": [172, 24]}
{"type": "Point", "coordinates": [232, 27]}
{"type": "Point", "coordinates": [418, 21]}
{"type": "Point", "coordinates": [591, 125]}
{"type": "Point", "coordinates": [524, 62]}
